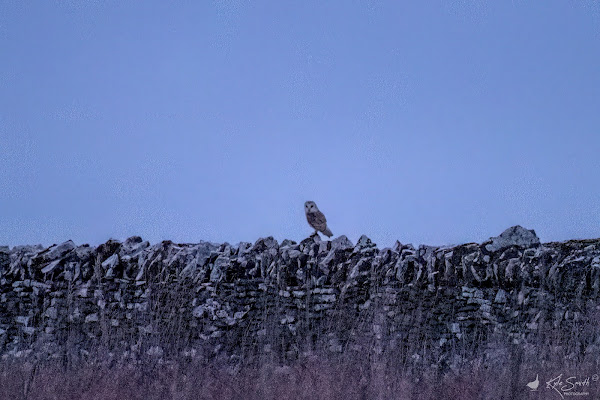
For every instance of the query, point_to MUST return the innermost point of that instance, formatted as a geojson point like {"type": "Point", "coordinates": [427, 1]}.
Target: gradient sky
{"type": "Point", "coordinates": [435, 122]}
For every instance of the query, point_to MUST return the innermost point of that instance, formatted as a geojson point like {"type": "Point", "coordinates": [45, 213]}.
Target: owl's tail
{"type": "Point", "coordinates": [327, 232]}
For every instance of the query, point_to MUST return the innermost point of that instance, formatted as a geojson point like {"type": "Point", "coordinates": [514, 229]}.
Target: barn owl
{"type": "Point", "coordinates": [316, 219]}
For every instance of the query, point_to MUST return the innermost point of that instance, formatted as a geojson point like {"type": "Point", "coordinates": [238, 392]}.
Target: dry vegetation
{"type": "Point", "coordinates": [343, 377]}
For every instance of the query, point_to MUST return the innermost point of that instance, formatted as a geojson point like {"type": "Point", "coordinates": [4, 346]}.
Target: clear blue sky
{"type": "Point", "coordinates": [432, 122]}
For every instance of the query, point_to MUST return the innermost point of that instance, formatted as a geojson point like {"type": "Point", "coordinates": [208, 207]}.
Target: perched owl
{"type": "Point", "coordinates": [316, 219]}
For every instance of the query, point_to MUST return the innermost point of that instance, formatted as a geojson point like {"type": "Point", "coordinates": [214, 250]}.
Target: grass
{"type": "Point", "coordinates": [343, 377]}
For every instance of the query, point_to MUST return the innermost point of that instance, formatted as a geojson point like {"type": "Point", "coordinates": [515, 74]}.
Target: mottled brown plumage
{"type": "Point", "coordinates": [316, 218]}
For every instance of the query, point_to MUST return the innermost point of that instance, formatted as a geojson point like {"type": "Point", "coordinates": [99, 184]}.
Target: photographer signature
{"type": "Point", "coordinates": [571, 385]}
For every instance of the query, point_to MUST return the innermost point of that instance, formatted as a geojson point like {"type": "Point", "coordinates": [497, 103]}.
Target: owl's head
{"type": "Point", "coordinates": [310, 206]}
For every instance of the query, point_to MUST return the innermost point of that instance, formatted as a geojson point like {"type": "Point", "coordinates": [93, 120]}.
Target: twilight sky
{"type": "Point", "coordinates": [436, 122]}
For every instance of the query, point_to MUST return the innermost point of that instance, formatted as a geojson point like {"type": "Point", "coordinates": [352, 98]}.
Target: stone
{"type": "Point", "coordinates": [50, 267]}
{"type": "Point", "coordinates": [51, 313]}
{"type": "Point", "coordinates": [199, 311]}
{"type": "Point", "coordinates": [234, 300]}
{"type": "Point", "coordinates": [57, 251]}
{"type": "Point", "coordinates": [218, 270]}
{"type": "Point", "coordinates": [28, 330]}
{"type": "Point", "coordinates": [91, 318]}
{"type": "Point", "coordinates": [110, 262]}
{"type": "Point", "coordinates": [501, 297]}
{"type": "Point", "coordinates": [341, 243]}
{"type": "Point", "coordinates": [514, 236]}
{"type": "Point", "coordinates": [364, 243]}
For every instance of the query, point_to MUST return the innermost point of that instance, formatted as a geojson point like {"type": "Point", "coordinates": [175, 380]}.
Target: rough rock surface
{"type": "Point", "coordinates": [514, 236]}
{"type": "Point", "coordinates": [126, 300]}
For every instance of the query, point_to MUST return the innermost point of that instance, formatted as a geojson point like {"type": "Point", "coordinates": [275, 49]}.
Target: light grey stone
{"type": "Point", "coordinates": [514, 236]}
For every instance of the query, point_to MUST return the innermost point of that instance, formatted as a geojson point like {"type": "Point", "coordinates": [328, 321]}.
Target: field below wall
{"type": "Point", "coordinates": [313, 377]}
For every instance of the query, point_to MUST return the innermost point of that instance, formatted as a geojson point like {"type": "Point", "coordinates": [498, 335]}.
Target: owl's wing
{"type": "Point", "coordinates": [321, 218]}
{"type": "Point", "coordinates": [317, 220]}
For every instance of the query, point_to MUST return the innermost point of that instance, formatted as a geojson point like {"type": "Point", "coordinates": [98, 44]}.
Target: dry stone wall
{"type": "Point", "coordinates": [129, 300]}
